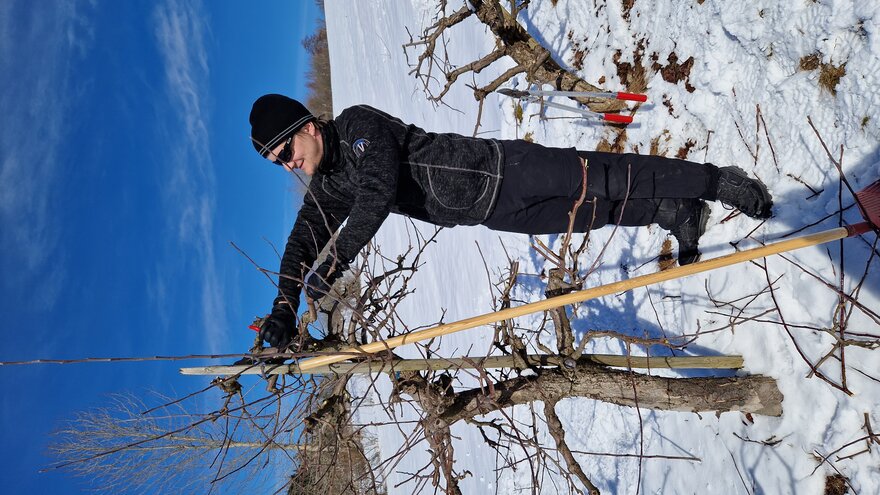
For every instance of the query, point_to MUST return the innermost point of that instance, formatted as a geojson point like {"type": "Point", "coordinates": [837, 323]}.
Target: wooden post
{"type": "Point", "coordinates": [384, 366]}
{"type": "Point", "coordinates": [587, 294]}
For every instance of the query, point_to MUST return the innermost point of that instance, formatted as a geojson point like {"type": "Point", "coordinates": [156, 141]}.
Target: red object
{"type": "Point", "coordinates": [632, 97]}
{"type": "Point", "coordinates": [869, 203]}
{"type": "Point", "coordinates": [254, 327]}
{"type": "Point", "coordinates": [858, 229]}
{"type": "Point", "coordinates": [616, 117]}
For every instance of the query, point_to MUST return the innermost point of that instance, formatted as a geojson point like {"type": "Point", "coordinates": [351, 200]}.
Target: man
{"type": "Point", "coordinates": [366, 164]}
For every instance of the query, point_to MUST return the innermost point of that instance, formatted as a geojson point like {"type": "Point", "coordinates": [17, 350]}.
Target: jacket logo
{"type": "Point", "coordinates": [359, 147]}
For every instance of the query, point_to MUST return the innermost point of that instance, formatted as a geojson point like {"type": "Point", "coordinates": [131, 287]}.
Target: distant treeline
{"type": "Point", "coordinates": [320, 96]}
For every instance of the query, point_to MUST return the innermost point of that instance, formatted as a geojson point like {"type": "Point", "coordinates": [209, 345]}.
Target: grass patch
{"type": "Point", "coordinates": [835, 485]}
{"type": "Point", "coordinates": [663, 138]}
{"type": "Point", "coordinates": [674, 71]}
{"type": "Point", "coordinates": [829, 74]}
{"type": "Point", "coordinates": [685, 150]}
{"type": "Point", "coordinates": [632, 75]}
{"type": "Point", "coordinates": [666, 260]}
{"type": "Point", "coordinates": [810, 62]}
{"type": "Point", "coordinates": [616, 146]}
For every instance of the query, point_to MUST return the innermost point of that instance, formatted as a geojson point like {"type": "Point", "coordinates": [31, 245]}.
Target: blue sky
{"type": "Point", "coordinates": [125, 171]}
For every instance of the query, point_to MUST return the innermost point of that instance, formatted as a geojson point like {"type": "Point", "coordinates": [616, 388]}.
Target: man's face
{"type": "Point", "coordinates": [307, 149]}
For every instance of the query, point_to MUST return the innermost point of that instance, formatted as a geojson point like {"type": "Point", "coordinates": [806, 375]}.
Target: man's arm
{"type": "Point", "coordinates": [378, 166]}
{"type": "Point", "coordinates": [318, 218]}
{"type": "Point", "coordinates": [315, 224]}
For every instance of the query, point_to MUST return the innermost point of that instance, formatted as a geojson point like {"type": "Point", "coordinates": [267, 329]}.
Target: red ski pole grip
{"type": "Point", "coordinates": [616, 117]}
{"type": "Point", "coordinates": [632, 97]}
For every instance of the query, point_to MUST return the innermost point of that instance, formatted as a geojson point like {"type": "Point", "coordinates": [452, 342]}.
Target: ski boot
{"type": "Point", "coordinates": [686, 220]}
{"type": "Point", "coordinates": [738, 190]}
{"type": "Point", "coordinates": [688, 233]}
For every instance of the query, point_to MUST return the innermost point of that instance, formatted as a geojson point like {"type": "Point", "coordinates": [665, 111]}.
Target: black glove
{"type": "Point", "coordinates": [320, 282]}
{"type": "Point", "coordinates": [279, 328]}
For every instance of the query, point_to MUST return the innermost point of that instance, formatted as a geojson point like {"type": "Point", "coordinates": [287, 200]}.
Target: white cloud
{"type": "Point", "coordinates": [180, 32]}
{"type": "Point", "coordinates": [6, 25]}
{"type": "Point", "coordinates": [39, 43]}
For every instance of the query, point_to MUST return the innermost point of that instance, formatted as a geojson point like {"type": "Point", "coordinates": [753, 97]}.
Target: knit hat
{"type": "Point", "coordinates": [273, 119]}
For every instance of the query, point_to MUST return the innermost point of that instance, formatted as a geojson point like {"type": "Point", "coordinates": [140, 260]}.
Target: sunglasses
{"type": "Point", "coordinates": [285, 154]}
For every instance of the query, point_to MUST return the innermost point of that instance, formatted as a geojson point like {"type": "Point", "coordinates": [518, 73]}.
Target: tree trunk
{"type": "Point", "coordinates": [527, 52]}
{"type": "Point", "coordinates": [748, 394]}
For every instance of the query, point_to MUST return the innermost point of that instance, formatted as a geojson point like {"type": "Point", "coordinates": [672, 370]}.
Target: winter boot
{"type": "Point", "coordinates": [686, 220]}
{"type": "Point", "coordinates": [750, 196]}
{"type": "Point", "coordinates": [688, 234]}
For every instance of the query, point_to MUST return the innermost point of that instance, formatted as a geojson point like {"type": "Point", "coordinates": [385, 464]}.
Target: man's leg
{"type": "Point", "coordinates": [551, 216]}
{"type": "Point", "coordinates": [539, 183]}
{"type": "Point", "coordinates": [684, 218]}
{"type": "Point", "coordinates": [615, 176]}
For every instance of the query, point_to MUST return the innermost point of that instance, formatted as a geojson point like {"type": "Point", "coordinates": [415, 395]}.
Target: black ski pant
{"type": "Point", "coordinates": [541, 186]}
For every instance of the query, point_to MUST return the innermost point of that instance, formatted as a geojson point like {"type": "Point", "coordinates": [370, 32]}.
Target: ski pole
{"type": "Point", "coordinates": [610, 117]}
{"type": "Point", "coordinates": [616, 95]}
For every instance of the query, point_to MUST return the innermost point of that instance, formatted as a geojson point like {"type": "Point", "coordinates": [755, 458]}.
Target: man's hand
{"type": "Point", "coordinates": [279, 329]}
{"type": "Point", "coordinates": [320, 282]}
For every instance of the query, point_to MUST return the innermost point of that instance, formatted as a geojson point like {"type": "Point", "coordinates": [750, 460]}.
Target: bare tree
{"type": "Point", "coordinates": [318, 76]}
{"type": "Point", "coordinates": [170, 449]}
{"type": "Point", "coordinates": [512, 40]}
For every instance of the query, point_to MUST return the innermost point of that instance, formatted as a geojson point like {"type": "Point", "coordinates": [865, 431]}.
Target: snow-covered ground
{"type": "Point", "coordinates": [745, 55]}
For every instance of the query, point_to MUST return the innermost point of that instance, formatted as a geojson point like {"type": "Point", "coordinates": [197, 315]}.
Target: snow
{"type": "Point", "coordinates": [746, 55]}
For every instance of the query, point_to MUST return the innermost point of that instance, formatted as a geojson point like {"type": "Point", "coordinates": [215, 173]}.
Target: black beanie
{"type": "Point", "coordinates": [273, 119]}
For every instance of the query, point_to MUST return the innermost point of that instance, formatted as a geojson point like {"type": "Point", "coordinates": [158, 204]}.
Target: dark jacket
{"type": "Point", "coordinates": [375, 164]}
